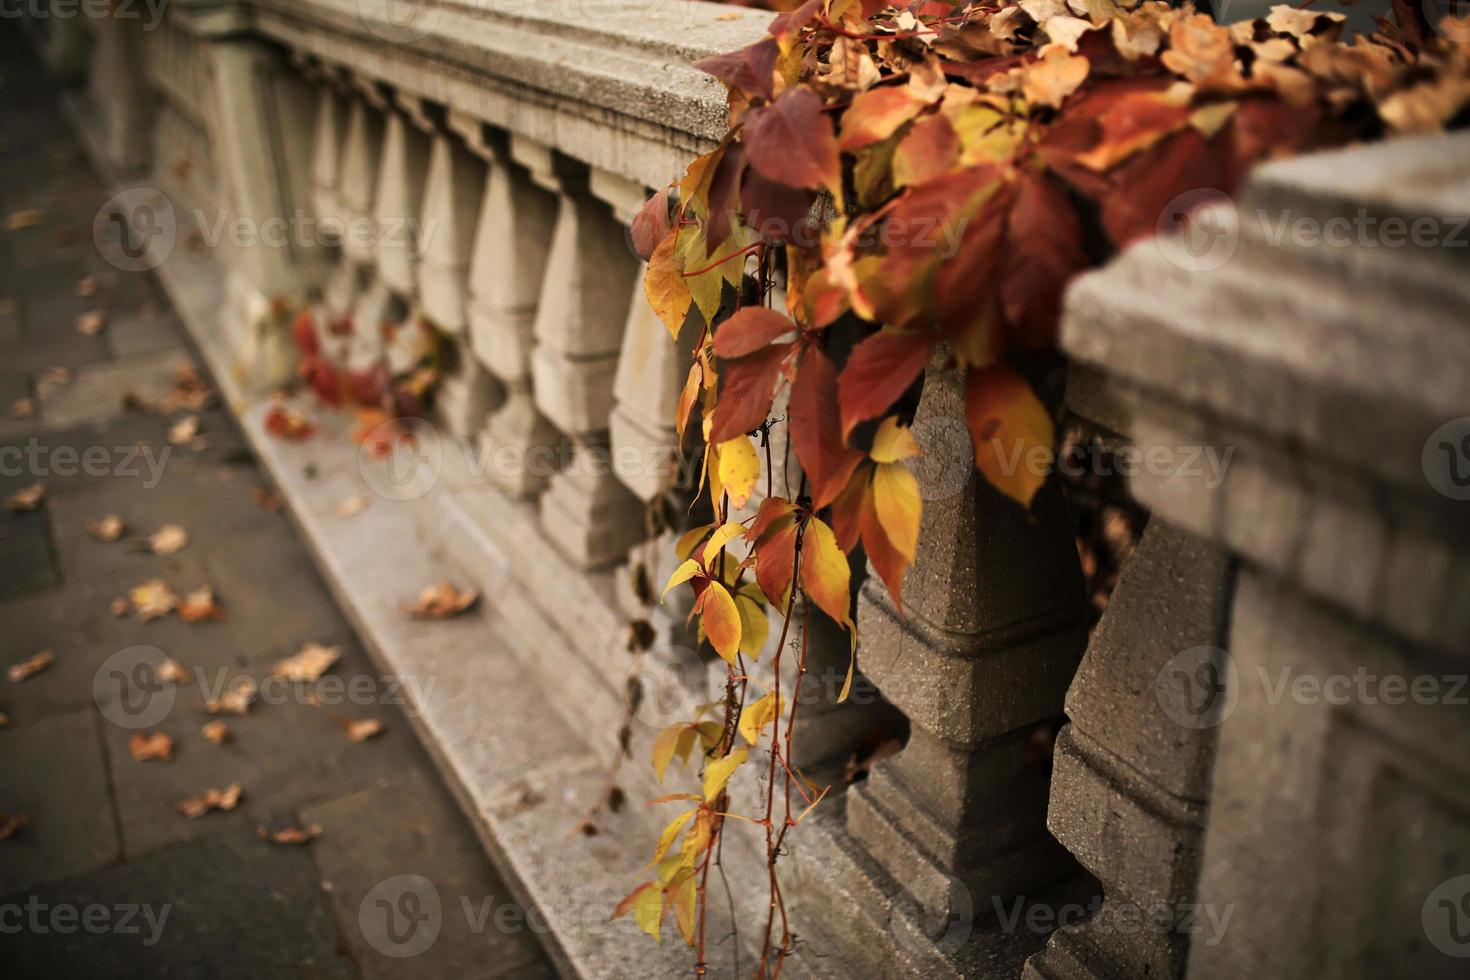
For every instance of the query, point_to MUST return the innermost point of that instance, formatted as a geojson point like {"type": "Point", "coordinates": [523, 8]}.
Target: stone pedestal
{"type": "Point", "coordinates": [118, 87]}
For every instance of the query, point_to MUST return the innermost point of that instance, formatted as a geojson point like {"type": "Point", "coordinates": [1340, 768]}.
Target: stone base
{"type": "Point", "coordinates": [591, 517]}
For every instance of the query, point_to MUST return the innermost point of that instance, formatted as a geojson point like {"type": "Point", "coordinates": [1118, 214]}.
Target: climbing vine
{"type": "Point", "coordinates": [912, 187]}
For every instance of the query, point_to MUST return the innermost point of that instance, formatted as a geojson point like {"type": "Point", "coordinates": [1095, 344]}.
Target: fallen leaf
{"type": "Point", "coordinates": [280, 832]}
{"type": "Point", "coordinates": [109, 528]}
{"type": "Point", "coordinates": [184, 430]}
{"type": "Point", "coordinates": [21, 220]}
{"type": "Point", "coordinates": [211, 799]}
{"type": "Point", "coordinates": [91, 322]}
{"type": "Point", "coordinates": [30, 666]}
{"type": "Point", "coordinates": [168, 539]}
{"type": "Point", "coordinates": [11, 824]}
{"type": "Point", "coordinates": [151, 745]}
{"type": "Point", "coordinates": [87, 287]}
{"type": "Point", "coordinates": [268, 500]}
{"type": "Point", "coordinates": [235, 701]}
{"type": "Point", "coordinates": [352, 506]}
{"type": "Point", "coordinates": [288, 423]}
{"type": "Point", "coordinates": [199, 605]}
{"type": "Point", "coordinates": [307, 664]}
{"type": "Point", "coordinates": [56, 376]}
{"type": "Point", "coordinates": [363, 729]}
{"type": "Point", "coordinates": [1054, 77]}
{"type": "Point", "coordinates": [119, 606]}
{"type": "Point", "coordinates": [171, 672]}
{"type": "Point", "coordinates": [23, 408]}
{"type": "Point", "coordinates": [4, 720]}
{"type": "Point", "coordinates": [28, 498]}
{"type": "Point", "coordinates": [153, 599]}
{"type": "Point", "coordinates": [440, 601]}
{"type": "Point", "coordinates": [216, 731]}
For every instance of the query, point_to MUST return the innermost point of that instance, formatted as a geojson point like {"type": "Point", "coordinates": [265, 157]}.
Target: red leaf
{"type": "Point", "coordinates": [724, 194]}
{"type": "Point", "coordinates": [751, 69]}
{"type": "Point", "coordinates": [878, 371]}
{"type": "Point", "coordinates": [791, 142]}
{"type": "Point", "coordinates": [967, 286]}
{"type": "Point", "coordinates": [746, 392]}
{"type": "Point", "coordinates": [926, 151]}
{"type": "Point", "coordinates": [815, 428]}
{"type": "Point", "coordinates": [323, 379]}
{"type": "Point", "coordinates": [1043, 251]}
{"type": "Point", "coordinates": [748, 330]}
{"type": "Point", "coordinates": [303, 333]}
{"type": "Point", "coordinates": [794, 20]}
{"type": "Point", "coordinates": [1143, 186]}
{"type": "Point", "coordinates": [774, 560]}
{"type": "Point", "coordinates": [651, 224]}
{"type": "Point", "coordinates": [774, 210]}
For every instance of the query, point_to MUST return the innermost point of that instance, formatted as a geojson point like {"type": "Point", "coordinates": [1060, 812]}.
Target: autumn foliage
{"type": "Point", "coordinates": [912, 188]}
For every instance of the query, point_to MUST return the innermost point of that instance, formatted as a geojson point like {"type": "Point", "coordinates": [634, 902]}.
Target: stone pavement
{"type": "Point", "coordinates": [106, 878]}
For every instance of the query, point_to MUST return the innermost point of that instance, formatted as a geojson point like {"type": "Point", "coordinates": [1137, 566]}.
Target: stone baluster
{"type": "Point", "coordinates": [118, 87]}
{"type": "Point", "coordinates": [372, 301]}
{"type": "Point", "coordinates": [1312, 391]}
{"type": "Point", "coordinates": [396, 203]}
{"type": "Point", "coordinates": [451, 207]}
{"type": "Point", "coordinates": [507, 266]}
{"type": "Point", "coordinates": [1130, 787]}
{"type": "Point", "coordinates": [586, 510]}
{"type": "Point", "coordinates": [979, 661]}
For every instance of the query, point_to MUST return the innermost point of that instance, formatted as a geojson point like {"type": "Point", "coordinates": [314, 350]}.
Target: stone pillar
{"type": "Point", "coordinates": [357, 182]}
{"type": "Point", "coordinates": [68, 42]}
{"type": "Point", "coordinates": [396, 204]}
{"type": "Point", "coordinates": [450, 214]}
{"type": "Point", "coordinates": [507, 267]}
{"type": "Point", "coordinates": [1328, 396]}
{"type": "Point", "coordinates": [118, 89]}
{"type": "Point", "coordinates": [979, 660]}
{"type": "Point", "coordinates": [587, 512]}
{"type": "Point", "coordinates": [1130, 787]}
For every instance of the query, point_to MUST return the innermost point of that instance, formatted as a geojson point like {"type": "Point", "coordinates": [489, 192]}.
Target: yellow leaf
{"type": "Point", "coordinates": [684, 896]}
{"type": "Point", "coordinates": [703, 276]}
{"type": "Point", "coordinates": [686, 571]}
{"type": "Point", "coordinates": [740, 468]}
{"type": "Point", "coordinates": [1011, 431]}
{"type": "Point", "coordinates": [684, 547]}
{"type": "Point", "coordinates": [727, 532]}
{"type": "Point", "coordinates": [896, 501]}
{"type": "Point", "coordinates": [665, 287]}
{"type": "Point", "coordinates": [670, 833]}
{"type": "Point", "coordinates": [646, 902]}
{"type": "Point", "coordinates": [721, 620]}
{"type": "Point", "coordinates": [893, 442]}
{"type": "Point", "coordinates": [755, 625]}
{"type": "Point", "coordinates": [664, 747]}
{"type": "Point", "coordinates": [757, 716]}
{"type": "Point", "coordinates": [824, 571]}
{"type": "Point", "coordinates": [718, 772]}
{"type": "Point", "coordinates": [687, 397]}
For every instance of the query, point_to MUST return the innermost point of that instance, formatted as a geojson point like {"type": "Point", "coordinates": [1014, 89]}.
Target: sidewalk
{"type": "Point", "coordinates": [106, 877]}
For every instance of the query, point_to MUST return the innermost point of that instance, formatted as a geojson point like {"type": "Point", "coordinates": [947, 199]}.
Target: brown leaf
{"type": "Point", "coordinates": [12, 824]}
{"type": "Point", "coordinates": [27, 498]}
{"type": "Point", "coordinates": [87, 287]}
{"type": "Point", "coordinates": [665, 285]}
{"type": "Point", "coordinates": [21, 220]}
{"type": "Point", "coordinates": [748, 388]}
{"type": "Point", "coordinates": [1043, 252]}
{"type": "Point", "coordinates": [211, 799]}
{"type": "Point", "coordinates": [151, 745]}
{"type": "Point", "coordinates": [651, 224]}
{"type": "Point", "coordinates": [751, 69]}
{"type": "Point", "coordinates": [352, 506]}
{"type": "Point", "coordinates": [30, 666]}
{"type": "Point", "coordinates": [184, 430]}
{"type": "Point", "coordinates": [266, 500]}
{"type": "Point", "coordinates": [91, 322]}
{"type": "Point", "coordinates": [168, 539]}
{"type": "Point", "coordinates": [775, 211]}
{"type": "Point", "coordinates": [109, 528]}
{"type": "Point", "coordinates": [307, 664]}
{"type": "Point", "coordinates": [200, 605]}
{"type": "Point", "coordinates": [791, 142]}
{"type": "Point", "coordinates": [23, 408]}
{"type": "Point", "coordinates": [815, 428]}
{"type": "Point", "coordinates": [750, 329]}
{"type": "Point", "coordinates": [1055, 76]}
{"type": "Point", "coordinates": [171, 672]}
{"type": "Point", "coordinates": [282, 832]}
{"type": "Point", "coordinates": [1010, 429]}
{"type": "Point", "coordinates": [153, 599]}
{"type": "Point", "coordinates": [216, 731]}
{"type": "Point", "coordinates": [118, 606]}
{"type": "Point", "coordinates": [441, 601]}
{"type": "Point", "coordinates": [362, 729]}
{"type": "Point", "coordinates": [236, 700]}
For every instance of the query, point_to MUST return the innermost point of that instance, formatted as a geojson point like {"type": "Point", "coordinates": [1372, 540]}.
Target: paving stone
{"type": "Point", "coordinates": [53, 771]}
{"type": "Point", "coordinates": [141, 335]}
{"type": "Point", "coordinates": [382, 843]}
{"type": "Point", "coordinates": [97, 391]}
{"type": "Point", "coordinates": [27, 559]}
{"type": "Point", "coordinates": [223, 908]}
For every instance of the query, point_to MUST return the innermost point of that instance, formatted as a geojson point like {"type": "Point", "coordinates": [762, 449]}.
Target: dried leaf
{"type": "Point", "coordinates": [91, 322]}
{"type": "Point", "coordinates": [1055, 76]}
{"type": "Point", "coordinates": [755, 717]}
{"type": "Point", "coordinates": [151, 745]}
{"type": "Point", "coordinates": [284, 832]}
{"type": "Point", "coordinates": [23, 408]}
{"type": "Point", "coordinates": [21, 220]}
{"type": "Point", "coordinates": [352, 506]}
{"type": "Point", "coordinates": [307, 664]}
{"type": "Point", "coordinates": [739, 469]}
{"type": "Point", "coordinates": [877, 114]}
{"type": "Point", "coordinates": [12, 824]}
{"type": "Point", "coordinates": [211, 799]}
{"type": "Point", "coordinates": [171, 672]}
{"type": "Point", "coordinates": [168, 539]}
{"type": "Point", "coordinates": [749, 387]}
{"type": "Point", "coordinates": [236, 700]}
{"type": "Point", "coordinates": [440, 601]}
{"type": "Point", "coordinates": [720, 619]}
{"type": "Point", "coordinates": [27, 498]}
{"type": "Point", "coordinates": [184, 430]}
{"type": "Point", "coordinates": [878, 371]}
{"type": "Point", "coordinates": [665, 285]}
{"type": "Point", "coordinates": [750, 329]}
{"type": "Point", "coordinates": [363, 729]}
{"type": "Point", "coordinates": [30, 666]}
{"type": "Point", "coordinates": [109, 528]}
{"type": "Point", "coordinates": [216, 731]}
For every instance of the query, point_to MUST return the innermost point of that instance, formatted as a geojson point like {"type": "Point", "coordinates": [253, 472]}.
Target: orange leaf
{"type": "Point", "coordinates": [665, 287]}
{"type": "Point", "coordinates": [897, 505]}
{"type": "Point", "coordinates": [774, 561]}
{"type": "Point", "coordinates": [878, 371]}
{"type": "Point", "coordinates": [1043, 252]}
{"type": "Point", "coordinates": [721, 619]}
{"type": "Point", "coordinates": [749, 329]}
{"type": "Point", "coordinates": [927, 151]}
{"type": "Point", "coordinates": [687, 398]}
{"type": "Point", "coordinates": [825, 575]}
{"type": "Point", "coordinates": [1011, 430]}
{"type": "Point", "coordinates": [882, 555]}
{"type": "Point", "coordinates": [748, 389]}
{"type": "Point", "coordinates": [876, 115]}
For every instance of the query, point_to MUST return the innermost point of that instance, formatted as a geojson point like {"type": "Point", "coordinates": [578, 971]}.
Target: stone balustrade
{"type": "Point", "coordinates": [483, 165]}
